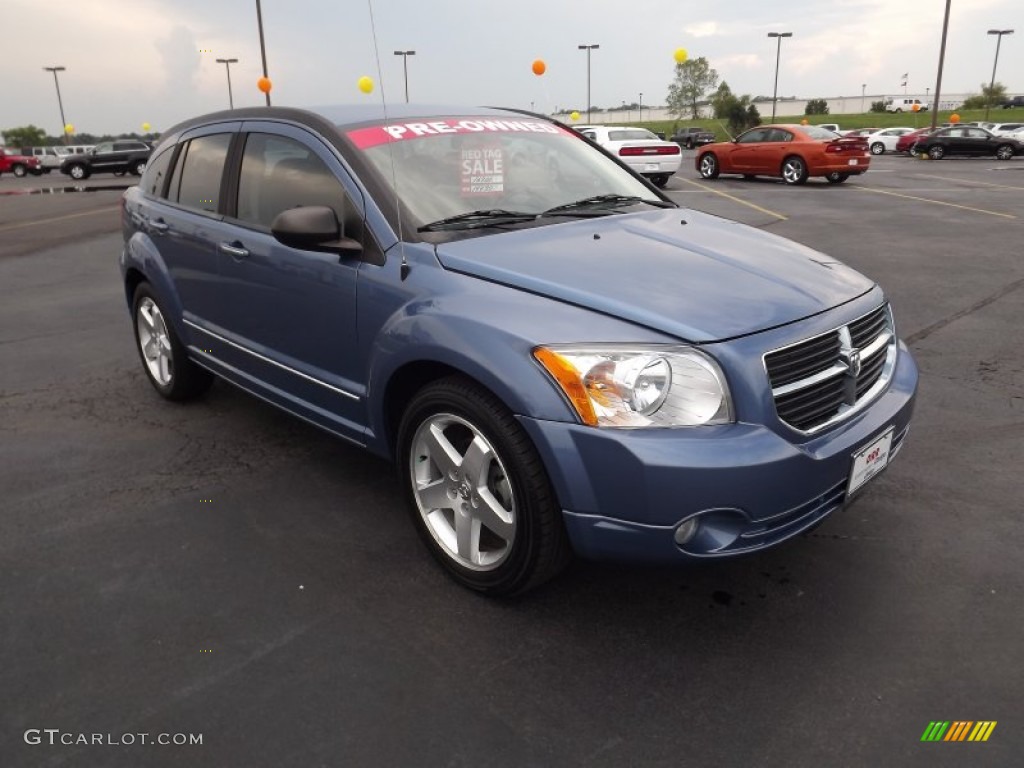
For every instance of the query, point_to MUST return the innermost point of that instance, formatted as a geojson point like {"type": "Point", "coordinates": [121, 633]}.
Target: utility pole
{"type": "Point", "coordinates": [778, 53]}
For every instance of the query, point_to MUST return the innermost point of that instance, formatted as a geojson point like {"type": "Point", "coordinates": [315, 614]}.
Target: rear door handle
{"type": "Point", "coordinates": [234, 251]}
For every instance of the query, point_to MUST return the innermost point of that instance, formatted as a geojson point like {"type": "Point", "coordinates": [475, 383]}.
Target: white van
{"type": "Point", "coordinates": [906, 105]}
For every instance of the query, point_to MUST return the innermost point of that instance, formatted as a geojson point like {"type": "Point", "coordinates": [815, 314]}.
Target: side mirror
{"type": "Point", "coordinates": [313, 228]}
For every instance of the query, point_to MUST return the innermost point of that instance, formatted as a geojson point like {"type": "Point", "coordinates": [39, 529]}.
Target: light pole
{"type": "Point", "coordinates": [55, 70]}
{"type": "Point", "coordinates": [999, 39]}
{"type": "Point", "coordinates": [405, 68]}
{"type": "Point", "coordinates": [588, 49]}
{"type": "Point", "coordinates": [227, 65]}
{"type": "Point", "coordinates": [263, 47]}
{"type": "Point", "coordinates": [942, 61]}
{"type": "Point", "coordinates": [863, 89]}
{"type": "Point", "coordinates": [641, 108]}
{"type": "Point", "coordinates": [778, 53]}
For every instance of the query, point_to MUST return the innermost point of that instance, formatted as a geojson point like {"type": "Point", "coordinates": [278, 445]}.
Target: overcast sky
{"type": "Point", "coordinates": [131, 62]}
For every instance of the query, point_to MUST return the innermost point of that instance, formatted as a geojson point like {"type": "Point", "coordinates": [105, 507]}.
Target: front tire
{"type": "Point", "coordinates": [78, 172]}
{"type": "Point", "coordinates": [1004, 152]}
{"type": "Point", "coordinates": [709, 168]}
{"type": "Point", "coordinates": [477, 490]}
{"type": "Point", "coordinates": [936, 153]}
{"type": "Point", "coordinates": [19, 170]}
{"type": "Point", "coordinates": [878, 148]}
{"type": "Point", "coordinates": [138, 168]}
{"type": "Point", "coordinates": [163, 356]}
{"type": "Point", "coordinates": [794, 170]}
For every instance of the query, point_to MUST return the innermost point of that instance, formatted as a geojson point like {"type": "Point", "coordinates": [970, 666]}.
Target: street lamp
{"type": "Point", "coordinates": [405, 68]}
{"type": "Point", "coordinates": [778, 53]}
{"type": "Point", "coordinates": [60, 104]}
{"type": "Point", "coordinates": [999, 39]}
{"type": "Point", "coordinates": [588, 49]}
{"type": "Point", "coordinates": [227, 65]}
{"type": "Point", "coordinates": [863, 88]}
{"type": "Point", "coordinates": [263, 47]}
{"type": "Point", "coordinates": [641, 108]}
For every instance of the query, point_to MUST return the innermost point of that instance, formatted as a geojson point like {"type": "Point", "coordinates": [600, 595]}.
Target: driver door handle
{"type": "Point", "coordinates": [234, 251]}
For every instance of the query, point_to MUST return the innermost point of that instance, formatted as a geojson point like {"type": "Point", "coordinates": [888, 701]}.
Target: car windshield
{"type": "Point", "coordinates": [450, 167]}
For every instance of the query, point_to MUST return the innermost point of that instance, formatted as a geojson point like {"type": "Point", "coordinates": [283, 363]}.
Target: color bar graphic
{"type": "Point", "coordinates": [958, 730]}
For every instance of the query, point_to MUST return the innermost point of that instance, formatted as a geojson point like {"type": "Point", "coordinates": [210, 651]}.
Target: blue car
{"type": "Point", "coordinates": [556, 356]}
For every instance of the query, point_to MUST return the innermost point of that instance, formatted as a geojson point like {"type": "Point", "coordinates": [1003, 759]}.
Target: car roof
{"type": "Point", "coordinates": [344, 116]}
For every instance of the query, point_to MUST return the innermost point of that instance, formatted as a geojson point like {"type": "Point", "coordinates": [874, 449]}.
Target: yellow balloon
{"type": "Point", "coordinates": [575, 116]}
{"type": "Point", "coordinates": [365, 84]}
{"type": "Point", "coordinates": [146, 127]}
{"type": "Point", "coordinates": [69, 128]}
{"type": "Point", "coordinates": [681, 55]}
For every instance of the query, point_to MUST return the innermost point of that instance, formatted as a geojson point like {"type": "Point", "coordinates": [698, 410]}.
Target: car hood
{"type": "Point", "coordinates": [691, 275]}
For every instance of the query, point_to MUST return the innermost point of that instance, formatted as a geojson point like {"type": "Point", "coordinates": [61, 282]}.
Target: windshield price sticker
{"type": "Point", "coordinates": [364, 138]}
{"type": "Point", "coordinates": [869, 461]}
{"type": "Point", "coordinates": [483, 171]}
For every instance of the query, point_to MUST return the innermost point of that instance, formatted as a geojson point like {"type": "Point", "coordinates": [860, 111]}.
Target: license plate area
{"type": "Point", "coordinates": [869, 461]}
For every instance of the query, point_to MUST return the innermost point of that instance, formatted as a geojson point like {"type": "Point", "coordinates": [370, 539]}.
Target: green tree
{"type": "Point", "coordinates": [25, 136]}
{"type": "Point", "coordinates": [878, 106]}
{"type": "Point", "coordinates": [989, 97]}
{"type": "Point", "coordinates": [739, 112]}
{"type": "Point", "coordinates": [694, 78]}
{"type": "Point", "coordinates": [817, 107]}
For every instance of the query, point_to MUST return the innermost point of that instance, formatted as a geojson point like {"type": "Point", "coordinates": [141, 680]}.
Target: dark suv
{"type": "Point", "coordinates": [118, 157]}
{"type": "Point", "coordinates": [694, 136]}
{"type": "Point", "coordinates": [1016, 101]}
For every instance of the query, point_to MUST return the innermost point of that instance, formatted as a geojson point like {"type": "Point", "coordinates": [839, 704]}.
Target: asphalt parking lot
{"type": "Point", "coordinates": [223, 569]}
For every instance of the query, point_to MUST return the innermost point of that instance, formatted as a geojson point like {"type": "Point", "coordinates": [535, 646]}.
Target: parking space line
{"type": "Point", "coordinates": [23, 224]}
{"type": "Point", "coordinates": [968, 181]}
{"type": "Point", "coordinates": [736, 199]}
{"type": "Point", "coordinates": [938, 202]}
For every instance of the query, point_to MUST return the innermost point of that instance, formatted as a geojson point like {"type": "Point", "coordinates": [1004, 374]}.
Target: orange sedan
{"type": "Point", "coordinates": [793, 152]}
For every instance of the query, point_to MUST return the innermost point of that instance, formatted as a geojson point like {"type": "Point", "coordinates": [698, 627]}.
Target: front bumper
{"type": "Point", "coordinates": [625, 492]}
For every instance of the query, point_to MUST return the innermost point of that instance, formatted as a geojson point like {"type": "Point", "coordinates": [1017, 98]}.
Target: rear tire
{"type": "Point", "coordinates": [708, 165]}
{"type": "Point", "coordinates": [19, 170]}
{"type": "Point", "coordinates": [936, 153]}
{"type": "Point", "coordinates": [659, 181]}
{"type": "Point", "coordinates": [878, 148]}
{"type": "Point", "coordinates": [164, 358]}
{"type": "Point", "coordinates": [836, 177]}
{"type": "Point", "coordinates": [138, 168]}
{"type": "Point", "coordinates": [477, 490]}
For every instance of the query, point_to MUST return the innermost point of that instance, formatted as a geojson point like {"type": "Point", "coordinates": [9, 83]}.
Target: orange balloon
{"type": "Point", "coordinates": [804, 121]}
{"type": "Point", "coordinates": [264, 84]}
{"type": "Point", "coordinates": [539, 67]}
{"type": "Point", "coordinates": [916, 108]}
{"type": "Point", "coordinates": [954, 118]}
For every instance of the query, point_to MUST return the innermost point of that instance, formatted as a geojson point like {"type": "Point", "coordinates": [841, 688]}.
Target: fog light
{"type": "Point", "coordinates": [686, 531]}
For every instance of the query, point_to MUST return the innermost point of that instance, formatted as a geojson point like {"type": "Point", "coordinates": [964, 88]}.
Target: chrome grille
{"type": "Point", "coordinates": [827, 378]}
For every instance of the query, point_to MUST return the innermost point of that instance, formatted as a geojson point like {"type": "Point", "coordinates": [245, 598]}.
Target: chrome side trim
{"type": "Point", "coordinates": [266, 359]}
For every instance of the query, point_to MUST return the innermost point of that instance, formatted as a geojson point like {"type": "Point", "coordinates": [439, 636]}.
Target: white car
{"type": "Point", "coordinates": [638, 148]}
{"type": "Point", "coordinates": [1006, 129]}
{"type": "Point", "coordinates": [884, 140]}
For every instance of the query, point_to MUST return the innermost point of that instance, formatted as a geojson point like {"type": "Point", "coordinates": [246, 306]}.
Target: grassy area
{"type": "Point", "coordinates": [847, 121]}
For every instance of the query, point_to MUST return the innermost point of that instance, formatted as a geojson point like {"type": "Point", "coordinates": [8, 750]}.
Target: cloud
{"type": "Point", "coordinates": [181, 56]}
{"type": "Point", "coordinates": [702, 29]}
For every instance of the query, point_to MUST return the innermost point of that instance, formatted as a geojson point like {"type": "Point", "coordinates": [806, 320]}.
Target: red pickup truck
{"type": "Point", "coordinates": [12, 161]}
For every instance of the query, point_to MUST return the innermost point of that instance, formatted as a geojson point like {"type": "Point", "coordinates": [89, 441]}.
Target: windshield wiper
{"type": "Point", "coordinates": [606, 201]}
{"type": "Point", "coordinates": [489, 217]}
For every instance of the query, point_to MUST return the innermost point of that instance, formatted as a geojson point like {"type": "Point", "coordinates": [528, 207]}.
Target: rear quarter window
{"type": "Point", "coordinates": [155, 177]}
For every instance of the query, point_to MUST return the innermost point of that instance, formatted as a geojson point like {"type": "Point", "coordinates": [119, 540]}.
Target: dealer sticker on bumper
{"type": "Point", "coordinates": [869, 461]}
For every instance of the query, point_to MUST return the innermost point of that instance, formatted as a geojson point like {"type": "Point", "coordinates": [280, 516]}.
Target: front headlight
{"type": "Point", "coordinates": [639, 386]}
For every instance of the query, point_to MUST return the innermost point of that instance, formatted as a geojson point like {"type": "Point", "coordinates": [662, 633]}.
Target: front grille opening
{"type": "Point", "coordinates": [812, 401]}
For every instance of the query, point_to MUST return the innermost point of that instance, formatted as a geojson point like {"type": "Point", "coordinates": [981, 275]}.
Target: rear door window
{"type": "Point", "coordinates": [198, 173]}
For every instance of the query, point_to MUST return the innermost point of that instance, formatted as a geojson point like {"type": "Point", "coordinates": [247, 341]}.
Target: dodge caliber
{"type": "Point", "coordinates": [557, 358]}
